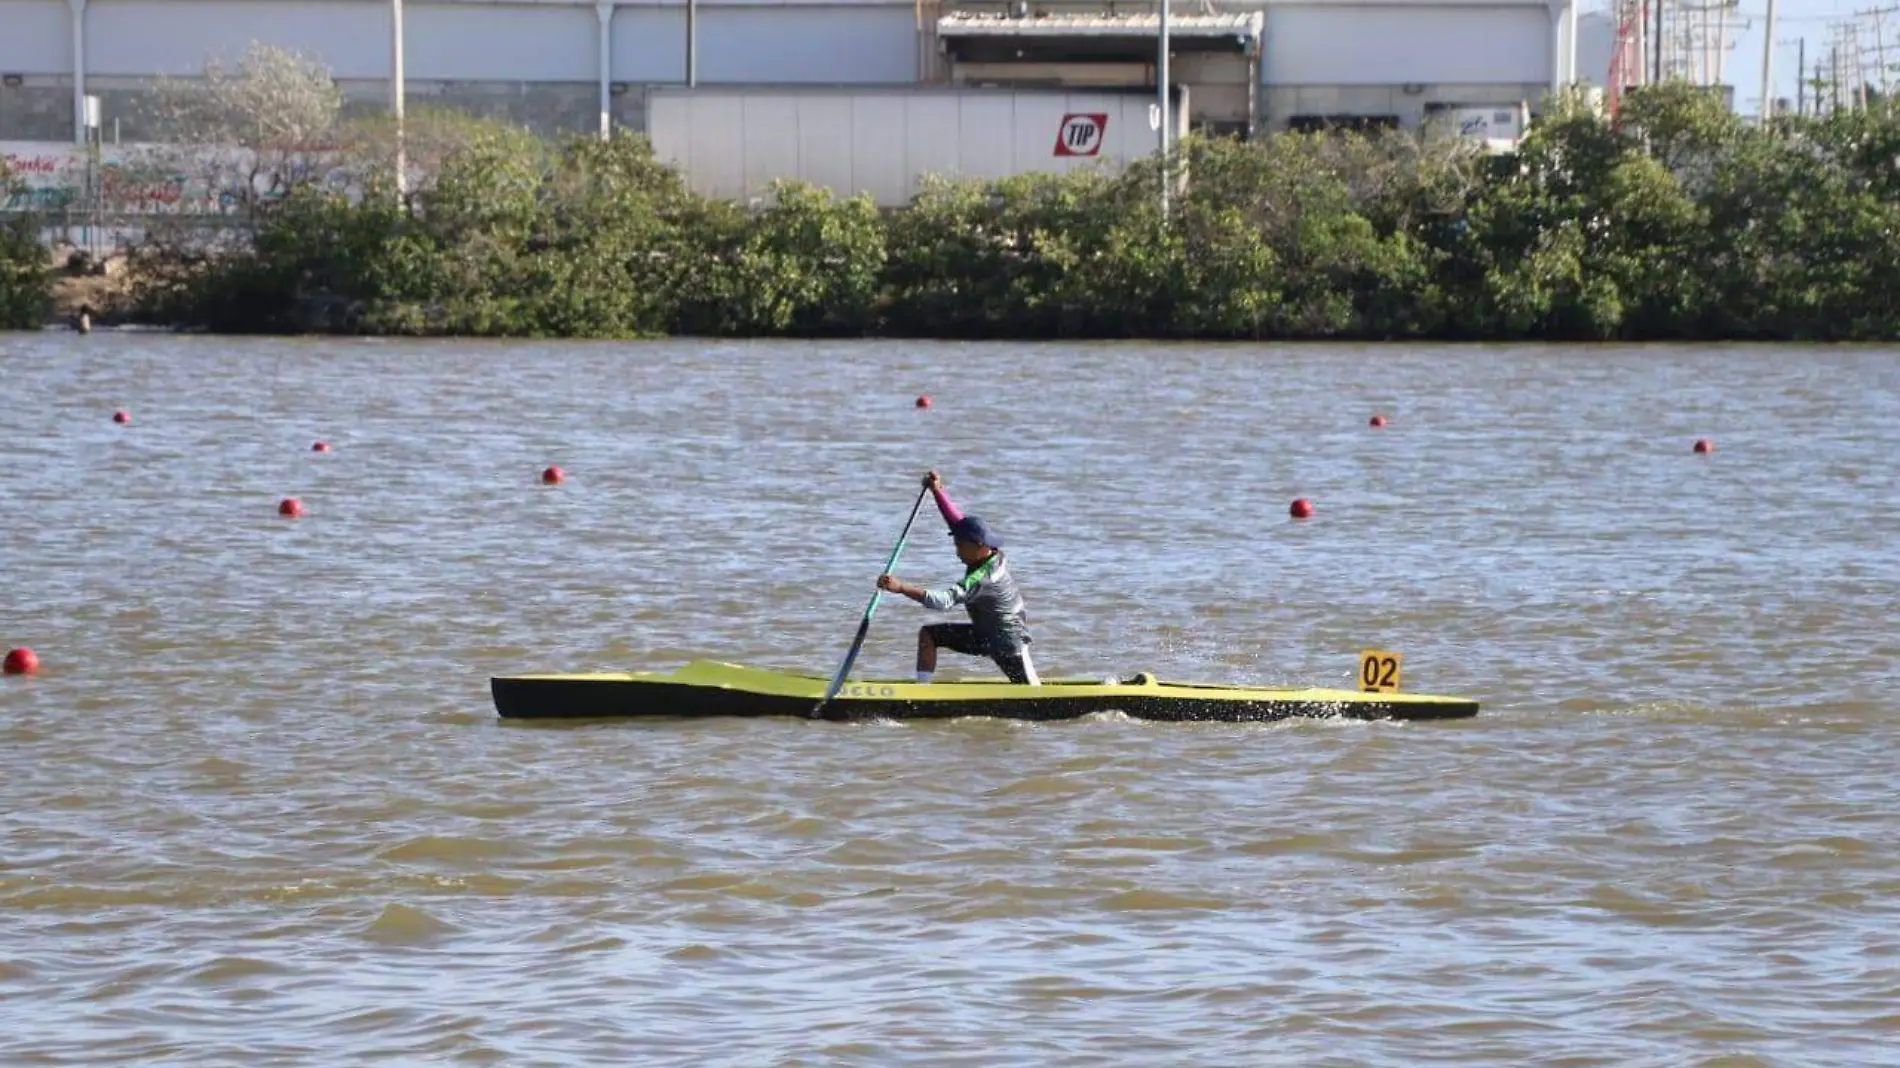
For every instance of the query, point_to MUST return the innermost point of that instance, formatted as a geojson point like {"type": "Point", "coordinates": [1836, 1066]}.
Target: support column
{"type": "Point", "coordinates": [1570, 42]}
{"type": "Point", "coordinates": [79, 69]}
{"type": "Point", "coordinates": [1556, 47]}
{"type": "Point", "coordinates": [605, 10]}
{"type": "Point", "coordinates": [396, 90]}
{"type": "Point", "coordinates": [692, 43]}
{"type": "Point", "coordinates": [1163, 45]}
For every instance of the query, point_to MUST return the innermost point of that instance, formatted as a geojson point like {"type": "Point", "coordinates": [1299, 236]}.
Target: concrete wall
{"type": "Point", "coordinates": [538, 61]}
{"type": "Point", "coordinates": [1596, 43]}
{"type": "Point", "coordinates": [533, 61]}
{"type": "Point", "coordinates": [1396, 58]}
{"type": "Point", "coordinates": [35, 37]}
{"type": "Point", "coordinates": [1392, 44]}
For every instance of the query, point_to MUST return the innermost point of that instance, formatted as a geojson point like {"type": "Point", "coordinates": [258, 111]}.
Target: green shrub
{"type": "Point", "coordinates": [26, 286]}
{"type": "Point", "coordinates": [1675, 220]}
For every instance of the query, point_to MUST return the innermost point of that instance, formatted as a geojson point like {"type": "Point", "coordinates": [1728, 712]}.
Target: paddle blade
{"type": "Point", "coordinates": [864, 625]}
{"type": "Point", "coordinates": [844, 669]}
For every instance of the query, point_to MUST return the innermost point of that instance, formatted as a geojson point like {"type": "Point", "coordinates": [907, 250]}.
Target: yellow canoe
{"type": "Point", "coordinates": [710, 688]}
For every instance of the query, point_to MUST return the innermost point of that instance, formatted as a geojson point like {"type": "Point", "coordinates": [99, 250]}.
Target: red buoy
{"type": "Point", "coordinates": [290, 508]}
{"type": "Point", "coordinates": [21, 661]}
{"type": "Point", "coordinates": [121, 417]}
{"type": "Point", "coordinates": [553, 476]}
{"type": "Point", "coordinates": [923, 401]}
{"type": "Point", "coordinates": [321, 446]}
{"type": "Point", "coordinates": [1378, 420]}
{"type": "Point", "coordinates": [1704, 445]}
{"type": "Point", "coordinates": [1301, 509]}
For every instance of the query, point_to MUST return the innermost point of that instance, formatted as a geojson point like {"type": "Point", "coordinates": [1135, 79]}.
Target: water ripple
{"type": "Point", "coordinates": [258, 809]}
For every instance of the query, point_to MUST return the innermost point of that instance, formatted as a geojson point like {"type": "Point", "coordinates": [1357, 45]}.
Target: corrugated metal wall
{"type": "Point", "coordinates": [734, 142]}
{"type": "Point", "coordinates": [1390, 45]}
{"type": "Point", "coordinates": [539, 62]}
{"type": "Point", "coordinates": [837, 42]}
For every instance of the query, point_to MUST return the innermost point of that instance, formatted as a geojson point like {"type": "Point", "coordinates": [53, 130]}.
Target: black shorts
{"type": "Point", "coordinates": [962, 638]}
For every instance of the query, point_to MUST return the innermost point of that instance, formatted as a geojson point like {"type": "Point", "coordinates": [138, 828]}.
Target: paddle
{"type": "Point", "coordinates": [864, 625]}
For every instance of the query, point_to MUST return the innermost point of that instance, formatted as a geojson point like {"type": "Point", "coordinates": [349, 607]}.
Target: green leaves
{"type": "Point", "coordinates": [25, 283]}
{"type": "Point", "coordinates": [807, 265]}
{"type": "Point", "coordinates": [1676, 220]}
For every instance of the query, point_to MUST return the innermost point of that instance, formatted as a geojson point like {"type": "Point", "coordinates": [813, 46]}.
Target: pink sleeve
{"type": "Point", "coordinates": [949, 509]}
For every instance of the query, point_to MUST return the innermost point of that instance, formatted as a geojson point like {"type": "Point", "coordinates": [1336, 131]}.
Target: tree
{"type": "Point", "coordinates": [25, 283]}
{"type": "Point", "coordinates": [246, 136]}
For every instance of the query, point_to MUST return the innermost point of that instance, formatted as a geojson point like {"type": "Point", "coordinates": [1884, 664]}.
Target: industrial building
{"type": "Point", "coordinates": [1249, 65]}
{"type": "Point", "coordinates": [855, 95]}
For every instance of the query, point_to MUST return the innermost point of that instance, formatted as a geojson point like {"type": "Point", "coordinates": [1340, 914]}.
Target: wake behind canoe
{"type": "Point", "coordinates": [707, 688]}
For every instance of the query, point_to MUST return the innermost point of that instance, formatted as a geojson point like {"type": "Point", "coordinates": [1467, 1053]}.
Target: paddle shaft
{"type": "Point", "coordinates": [864, 625]}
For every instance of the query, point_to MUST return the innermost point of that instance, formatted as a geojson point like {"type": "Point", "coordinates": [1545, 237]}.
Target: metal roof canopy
{"type": "Point", "coordinates": [983, 37]}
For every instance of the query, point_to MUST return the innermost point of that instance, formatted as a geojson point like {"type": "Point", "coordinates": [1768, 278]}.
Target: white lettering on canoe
{"type": "Point", "coordinates": [861, 689]}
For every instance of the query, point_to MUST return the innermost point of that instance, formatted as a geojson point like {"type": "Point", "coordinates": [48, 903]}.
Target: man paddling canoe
{"type": "Point", "coordinates": [997, 628]}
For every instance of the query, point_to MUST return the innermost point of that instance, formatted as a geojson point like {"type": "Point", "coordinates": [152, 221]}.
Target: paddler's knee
{"type": "Point", "coordinates": [1018, 667]}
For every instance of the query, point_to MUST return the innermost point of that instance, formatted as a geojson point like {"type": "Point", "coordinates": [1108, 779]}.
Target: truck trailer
{"type": "Point", "coordinates": [733, 142]}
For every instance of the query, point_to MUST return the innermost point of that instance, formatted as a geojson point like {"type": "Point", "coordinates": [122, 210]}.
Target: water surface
{"type": "Point", "coordinates": [258, 808]}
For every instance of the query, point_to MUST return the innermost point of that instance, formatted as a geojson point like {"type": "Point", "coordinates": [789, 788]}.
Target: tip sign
{"type": "Point", "coordinates": [1081, 134]}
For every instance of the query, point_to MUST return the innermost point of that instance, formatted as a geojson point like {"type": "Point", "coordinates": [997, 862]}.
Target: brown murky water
{"type": "Point", "coordinates": [258, 809]}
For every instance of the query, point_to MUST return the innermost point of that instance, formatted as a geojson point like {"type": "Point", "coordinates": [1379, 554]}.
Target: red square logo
{"type": "Point", "coordinates": [1081, 134]}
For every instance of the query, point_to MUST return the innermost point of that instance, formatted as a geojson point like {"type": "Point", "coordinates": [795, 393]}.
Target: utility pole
{"type": "Point", "coordinates": [1642, 41]}
{"type": "Point", "coordinates": [1880, 54]}
{"type": "Point", "coordinates": [1801, 82]}
{"type": "Point", "coordinates": [1860, 72]}
{"type": "Point", "coordinates": [1856, 89]}
{"type": "Point", "coordinates": [1721, 38]}
{"type": "Point", "coordinates": [1721, 42]}
{"type": "Point", "coordinates": [1768, 67]}
{"type": "Point", "coordinates": [1834, 75]}
{"type": "Point", "coordinates": [1709, 44]}
{"type": "Point", "coordinates": [1656, 42]}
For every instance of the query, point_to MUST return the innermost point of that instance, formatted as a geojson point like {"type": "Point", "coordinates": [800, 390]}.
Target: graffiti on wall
{"type": "Point", "coordinates": [140, 179]}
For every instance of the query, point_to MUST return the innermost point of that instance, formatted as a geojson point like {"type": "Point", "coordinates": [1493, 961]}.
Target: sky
{"type": "Point", "coordinates": [1794, 19]}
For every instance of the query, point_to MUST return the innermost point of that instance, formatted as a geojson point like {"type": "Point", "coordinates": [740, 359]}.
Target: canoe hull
{"type": "Point", "coordinates": [703, 689]}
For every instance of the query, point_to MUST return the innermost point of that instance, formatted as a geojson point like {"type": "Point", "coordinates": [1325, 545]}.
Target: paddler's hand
{"type": "Point", "coordinates": [933, 480]}
{"type": "Point", "coordinates": [889, 582]}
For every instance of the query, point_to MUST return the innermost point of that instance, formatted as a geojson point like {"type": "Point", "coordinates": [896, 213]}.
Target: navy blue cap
{"type": "Point", "coordinates": [972, 529]}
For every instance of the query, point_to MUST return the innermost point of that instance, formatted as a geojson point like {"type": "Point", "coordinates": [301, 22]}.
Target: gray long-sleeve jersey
{"type": "Point", "coordinates": [989, 593]}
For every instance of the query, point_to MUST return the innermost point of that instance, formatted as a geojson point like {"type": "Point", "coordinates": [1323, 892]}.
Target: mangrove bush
{"type": "Point", "coordinates": [1673, 220]}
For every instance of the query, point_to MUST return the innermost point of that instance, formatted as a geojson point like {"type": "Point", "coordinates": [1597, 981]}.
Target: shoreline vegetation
{"type": "Point", "coordinates": [1675, 221]}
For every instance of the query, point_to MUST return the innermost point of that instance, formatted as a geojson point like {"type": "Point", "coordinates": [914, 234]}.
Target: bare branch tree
{"type": "Point", "coordinates": [249, 134]}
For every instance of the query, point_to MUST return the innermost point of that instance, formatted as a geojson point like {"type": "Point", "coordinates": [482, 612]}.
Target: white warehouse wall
{"type": "Point", "coordinates": [532, 61]}
{"type": "Point", "coordinates": [1392, 44]}
{"type": "Point", "coordinates": [1398, 58]}
{"type": "Point", "coordinates": [35, 37]}
{"type": "Point", "coordinates": [539, 62]}
{"type": "Point", "coordinates": [837, 41]}
{"type": "Point", "coordinates": [1596, 44]}
{"type": "Point", "coordinates": [863, 44]}
{"type": "Point", "coordinates": [150, 37]}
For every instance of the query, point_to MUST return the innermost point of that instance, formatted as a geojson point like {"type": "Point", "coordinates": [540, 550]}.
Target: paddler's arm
{"type": "Point", "coordinates": [935, 599]}
{"type": "Point", "coordinates": [951, 513]}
